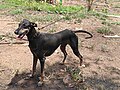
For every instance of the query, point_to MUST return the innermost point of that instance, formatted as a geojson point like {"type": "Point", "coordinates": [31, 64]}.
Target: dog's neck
{"type": "Point", "coordinates": [32, 33]}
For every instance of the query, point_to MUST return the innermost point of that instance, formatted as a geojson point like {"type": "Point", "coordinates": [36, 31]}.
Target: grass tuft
{"type": "Point", "coordinates": [104, 30]}
{"type": "Point", "coordinates": [16, 12]}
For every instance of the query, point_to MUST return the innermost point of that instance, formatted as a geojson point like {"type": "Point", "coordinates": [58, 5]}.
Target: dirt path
{"type": "Point", "coordinates": [101, 57]}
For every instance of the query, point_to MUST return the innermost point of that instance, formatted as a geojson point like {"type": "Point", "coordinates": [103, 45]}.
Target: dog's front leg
{"type": "Point", "coordinates": [42, 62]}
{"type": "Point", "coordinates": [35, 59]}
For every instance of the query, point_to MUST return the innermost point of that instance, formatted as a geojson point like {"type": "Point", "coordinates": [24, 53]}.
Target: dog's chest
{"type": "Point", "coordinates": [43, 48]}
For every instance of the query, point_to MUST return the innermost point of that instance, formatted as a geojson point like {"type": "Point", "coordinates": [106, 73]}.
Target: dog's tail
{"type": "Point", "coordinates": [83, 31]}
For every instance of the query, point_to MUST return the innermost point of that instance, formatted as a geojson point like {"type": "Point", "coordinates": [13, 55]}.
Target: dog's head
{"type": "Point", "coordinates": [24, 27]}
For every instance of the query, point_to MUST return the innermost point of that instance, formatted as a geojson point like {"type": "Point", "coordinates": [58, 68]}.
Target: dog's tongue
{"type": "Point", "coordinates": [21, 36]}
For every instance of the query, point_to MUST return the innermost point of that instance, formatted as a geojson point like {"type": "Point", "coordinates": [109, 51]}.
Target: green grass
{"type": "Point", "coordinates": [26, 8]}
{"type": "Point", "coordinates": [115, 23]}
{"type": "Point", "coordinates": [39, 6]}
{"type": "Point", "coordinates": [99, 15]}
{"type": "Point", "coordinates": [76, 73]}
{"type": "Point", "coordinates": [59, 9]}
{"type": "Point", "coordinates": [16, 11]}
{"type": "Point", "coordinates": [53, 12]}
{"type": "Point", "coordinates": [22, 7]}
{"type": "Point", "coordinates": [104, 30]}
{"type": "Point", "coordinates": [3, 6]}
{"type": "Point", "coordinates": [109, 23]}
{"type": "Point", "coordinates": [39, 18]}
{"type": "Point", "coordinates": [105, 20]}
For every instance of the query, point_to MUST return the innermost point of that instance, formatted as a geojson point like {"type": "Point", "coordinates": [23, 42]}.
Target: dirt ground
{"type": "Point", "coordinates": [101, 58]}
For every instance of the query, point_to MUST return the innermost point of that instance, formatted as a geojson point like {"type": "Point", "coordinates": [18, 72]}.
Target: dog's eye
{"type": "Point", "coordinates": [23, 24]}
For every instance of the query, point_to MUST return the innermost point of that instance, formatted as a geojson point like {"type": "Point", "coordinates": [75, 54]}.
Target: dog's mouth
{"type": "Point", "coordinates": [21, 35]}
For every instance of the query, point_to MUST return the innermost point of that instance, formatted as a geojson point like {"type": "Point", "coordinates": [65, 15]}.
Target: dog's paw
{"type": "Point", "coordinates": [40, 83]}
{"type": "Point", "coordinates": [29, 77]}
{"type": "Point", "coordinates": [61, 63]}
{"type": "Point", "coordinates": [82, 66]}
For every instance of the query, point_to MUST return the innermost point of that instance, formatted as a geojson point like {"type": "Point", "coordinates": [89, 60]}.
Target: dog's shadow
{"type": "Point", "coordinates": [19, 81]}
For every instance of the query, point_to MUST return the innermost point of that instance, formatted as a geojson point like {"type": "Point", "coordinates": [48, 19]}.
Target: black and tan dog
{"type": "Point", "coordinates": [44, 44]}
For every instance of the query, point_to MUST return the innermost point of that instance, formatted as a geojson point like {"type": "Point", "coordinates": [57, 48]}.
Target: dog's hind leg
{"type": "Point", "coordinates": [77, 53]}
{"type": "Point", "coordinates": [63, 49]}
{"type": "Point", "coordinates": [74, 46]}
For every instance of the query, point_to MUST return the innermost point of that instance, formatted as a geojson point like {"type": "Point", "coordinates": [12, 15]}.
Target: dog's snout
{"type": "Point", "coordinates": [16, 32]}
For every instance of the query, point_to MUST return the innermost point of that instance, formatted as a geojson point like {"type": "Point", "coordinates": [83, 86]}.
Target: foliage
{"type": "Point", "coordinates": [115, 23]}
{"type": "Point", "coordinates": [41, 6]}
{"type": "Point", "coordinates": [1, 37]}
{"type": "Point", "coordinates": [17, 11]}
{"type": "Point", "coordinates": [23, 8]}
{"type": "Point", "coordinates": [3, 6]}
{"type": "Point", "coordinates": [76, 73]}
{"type": "Point", "coordinates": [104, 30]}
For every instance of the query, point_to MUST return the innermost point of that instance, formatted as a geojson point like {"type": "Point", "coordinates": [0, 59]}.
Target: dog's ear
{"type": "Point", "coordinates": [33, 24]}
